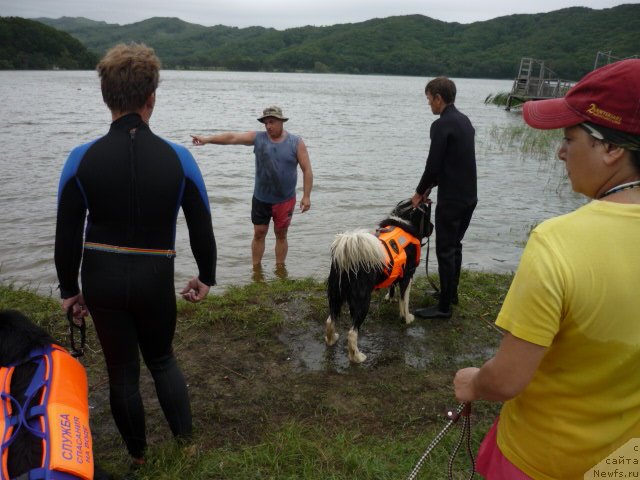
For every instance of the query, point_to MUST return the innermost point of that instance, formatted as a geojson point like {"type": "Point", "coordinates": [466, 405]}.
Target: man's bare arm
{"type": "Point", "coordinates": [307, 176]}
{"type": "Point", "coordinates": [226, 138]}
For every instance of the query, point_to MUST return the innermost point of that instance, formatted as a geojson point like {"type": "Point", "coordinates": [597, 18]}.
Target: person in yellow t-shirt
{"type": "Point", "coordinates": [567, 365]}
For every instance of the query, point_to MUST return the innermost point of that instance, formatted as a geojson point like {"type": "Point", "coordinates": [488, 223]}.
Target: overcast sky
{"type": "Point", "coordinates": [282, 14]}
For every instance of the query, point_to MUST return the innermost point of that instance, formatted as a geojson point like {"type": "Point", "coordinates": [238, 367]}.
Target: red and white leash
{"type": "Point", "coordinates": [464, 411]}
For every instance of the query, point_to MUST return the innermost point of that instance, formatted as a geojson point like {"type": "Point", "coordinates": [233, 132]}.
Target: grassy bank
{"type": "Point", "coordinates": [270, 401]}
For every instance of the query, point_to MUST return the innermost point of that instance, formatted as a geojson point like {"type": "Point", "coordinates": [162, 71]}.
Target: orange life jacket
{"type": "Point", "coordinates": [58, 415]}
{"type": "Point", "coordinates": [395, 240]}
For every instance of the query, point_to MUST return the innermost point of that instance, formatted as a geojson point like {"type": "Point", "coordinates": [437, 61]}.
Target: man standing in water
{"type": "Point", "coordinates": [451, 166]}
{"type": "Point", "coordinates": [277, 156]}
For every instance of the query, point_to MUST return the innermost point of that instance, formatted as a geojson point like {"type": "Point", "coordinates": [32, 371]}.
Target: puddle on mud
{"type": "Point", "coordinates": [412, 345]}
{"type": "Point", "coordinates": [420, 345]}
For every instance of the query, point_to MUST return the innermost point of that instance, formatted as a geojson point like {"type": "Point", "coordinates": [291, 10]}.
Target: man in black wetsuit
{"type": "Point", "coordinates": [129, 186]}
{"type": "Point", "coordinates": [451, 166]}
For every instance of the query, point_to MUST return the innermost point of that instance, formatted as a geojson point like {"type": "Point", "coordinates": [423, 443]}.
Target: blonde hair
{"type": "Point", "coordinates": [129, 74]}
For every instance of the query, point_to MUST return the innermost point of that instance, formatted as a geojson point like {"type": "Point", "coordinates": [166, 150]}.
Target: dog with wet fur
{"type": "Point", "coordinates": [362, 262]}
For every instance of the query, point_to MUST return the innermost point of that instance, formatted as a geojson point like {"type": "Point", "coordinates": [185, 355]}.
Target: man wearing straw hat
{"type": "Point", "coordinates": [277, 155]}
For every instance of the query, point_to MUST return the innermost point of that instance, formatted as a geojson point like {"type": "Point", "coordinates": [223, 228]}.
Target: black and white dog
{"type": "Point", "coordinates": [362, 262]}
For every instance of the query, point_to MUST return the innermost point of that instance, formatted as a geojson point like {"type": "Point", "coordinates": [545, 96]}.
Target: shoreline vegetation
{"type": "Point", "coordinates": [500, 99]}
{"type": "Point", "coordinates": [529, 143]}
{"type": "Point", "coordinates": [567, 40]}
{"type": "Point", "coordinates": [540, 145]}
{"type": "Point", "coordinates": [271, 401]}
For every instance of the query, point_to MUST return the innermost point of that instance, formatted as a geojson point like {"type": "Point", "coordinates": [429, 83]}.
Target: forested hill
{"type": "Point", "coordinates": [567, 40]}
{"type": "Point", "coordinates": [26, 44]}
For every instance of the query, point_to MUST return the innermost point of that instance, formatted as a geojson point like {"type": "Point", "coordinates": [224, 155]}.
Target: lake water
{"type": "Point", "coordinates": [367, 136]}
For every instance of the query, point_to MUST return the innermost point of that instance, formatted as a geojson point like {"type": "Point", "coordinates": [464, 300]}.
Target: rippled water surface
{"type": "Point", "coordinates": [367, 137]}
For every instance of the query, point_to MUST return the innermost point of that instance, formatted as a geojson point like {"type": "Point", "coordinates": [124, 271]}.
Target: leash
{"type": "Point", "coordinates": [426, 265]}
{"type": "Point", "coordinates": [464, 411]}
{"type": "Point", "coordinates": [427, 213]}
{"type": "Point", "coordinates": [82, 328]}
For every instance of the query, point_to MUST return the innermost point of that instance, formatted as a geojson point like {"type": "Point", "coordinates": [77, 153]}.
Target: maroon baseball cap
{"type": "Point", "coordinates": [608, 96]}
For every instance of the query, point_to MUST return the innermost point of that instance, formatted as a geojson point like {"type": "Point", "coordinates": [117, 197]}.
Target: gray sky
{"type": "Point", "coordinates": [282, 14]}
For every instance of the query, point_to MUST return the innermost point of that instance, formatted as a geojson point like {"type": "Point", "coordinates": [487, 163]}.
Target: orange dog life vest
{"type": "Point", "coordinates": [56, 410]}
{"type": "Point", "coordinates": [395, 240]}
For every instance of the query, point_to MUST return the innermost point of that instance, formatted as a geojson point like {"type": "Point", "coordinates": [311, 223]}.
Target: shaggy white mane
{"type": "Point", "coordinates": [357, 250]}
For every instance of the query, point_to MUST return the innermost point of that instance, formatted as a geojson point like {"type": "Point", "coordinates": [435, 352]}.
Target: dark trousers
{"type": "Point", "coordinates": [132, 303]}
{"type": "Point", "coordinates": [452, 221]}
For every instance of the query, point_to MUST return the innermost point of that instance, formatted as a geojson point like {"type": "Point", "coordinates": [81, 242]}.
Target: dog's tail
{"type": "Point", "coordinates": [356, 251]}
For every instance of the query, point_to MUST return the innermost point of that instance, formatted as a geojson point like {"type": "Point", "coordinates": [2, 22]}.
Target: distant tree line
{"type": "Point", "coordinates": [29, 45]}
{"type": "Point", "coordinates": [567, 40]}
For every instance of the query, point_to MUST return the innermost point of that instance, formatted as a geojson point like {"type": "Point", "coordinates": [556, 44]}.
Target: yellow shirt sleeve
{"type": "Point", "coordinates": [533, 307]}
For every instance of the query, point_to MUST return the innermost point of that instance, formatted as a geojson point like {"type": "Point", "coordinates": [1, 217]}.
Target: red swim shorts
{"type": "Point", "coordinates": [262, 212]}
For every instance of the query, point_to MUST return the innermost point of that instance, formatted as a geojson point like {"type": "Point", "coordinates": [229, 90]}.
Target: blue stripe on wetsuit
{"type": "Point", "coordinates": [191, 170]}
{"type": "Point", "coordinates": [71, 166]}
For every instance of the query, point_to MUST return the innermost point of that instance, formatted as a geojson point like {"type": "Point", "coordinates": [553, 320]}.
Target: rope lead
{"type": "Point", "coordinates": [464, 411]}
{"type": "Point", "coordinates": [76, 351]}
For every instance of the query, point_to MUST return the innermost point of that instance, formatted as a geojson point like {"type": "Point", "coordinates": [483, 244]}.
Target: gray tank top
{"type": "Point", "coordinates": [276, 168]}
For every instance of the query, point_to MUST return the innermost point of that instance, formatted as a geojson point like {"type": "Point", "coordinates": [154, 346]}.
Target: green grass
{"type": "Point", "coordinates": [540, 145]}
{"type": "Point", "coordinates": [259, 416]}
{"type": "Point", "coordinates": [298, 451]}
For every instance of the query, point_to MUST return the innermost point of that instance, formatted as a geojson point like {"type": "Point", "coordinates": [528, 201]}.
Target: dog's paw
{"type": "Point", "coordinates": [357, 357]}
{"type": "Point", "coordinates": [409, 318]}
{"type": "Point", "coordinates": [332, 339]}
{"type": "Point", "coordinates": [387, 297]}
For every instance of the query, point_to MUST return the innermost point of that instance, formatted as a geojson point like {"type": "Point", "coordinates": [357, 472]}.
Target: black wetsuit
{"type": "Point", "coordinates": [451, 166]}
{"type": "Point", "coordinates": [132, 183]}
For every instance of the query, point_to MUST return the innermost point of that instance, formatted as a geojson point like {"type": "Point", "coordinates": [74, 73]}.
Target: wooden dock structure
{"type": "Point", "coordinates": [535, 81]}
{"type": "Point", "coordinates": [605, 58]}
